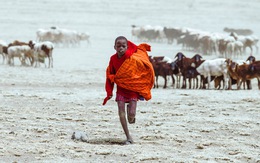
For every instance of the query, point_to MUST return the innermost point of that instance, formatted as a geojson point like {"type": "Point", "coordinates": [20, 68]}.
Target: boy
{"type": "Point", "coordinates": [133, 81]}
{"type": "Point", "coordinates": [123, 95]}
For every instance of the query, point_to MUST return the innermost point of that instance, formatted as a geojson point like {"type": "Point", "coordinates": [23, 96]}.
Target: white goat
{"type": "Point", "coordinates": [215, 67]}
{"type": "Point", "coordinates": [248, 41]}
{"type": "Point", "coordinates": [238, 48]}
{"type": "Point", "coordinates": [148, 32]}
{"type": "Point", "coordinates": [19, 52]}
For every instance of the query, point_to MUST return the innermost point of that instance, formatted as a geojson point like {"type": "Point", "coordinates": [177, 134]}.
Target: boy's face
{"type": "Point", "coordinates": [120, 47]}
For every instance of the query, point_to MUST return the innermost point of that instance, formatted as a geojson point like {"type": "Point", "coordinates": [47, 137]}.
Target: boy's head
{"type": "Point", "coordinates": [120, 45]}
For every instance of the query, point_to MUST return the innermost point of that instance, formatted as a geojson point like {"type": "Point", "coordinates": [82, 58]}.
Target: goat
{"type": "Point", "coordinates": [171, 34]}
{"type": "Point", "coordinates": [19, 52]}
{"type": "Point", "coordinates": [254, 69]}
{"type": "Point", "coordinates": [234, 74]}
{"type": "Point", "coordinates": [251, 59]}
{"type": "Point", "coordinates": [248, 41]}
{"type": "Point", "coordinates": [190, 71]}
{"type": "Point", "coordinates": [42, 49]}
{"type": "Point", "coordinates": [239, 31]}
{"type": "Point", "coordinates": [27, 52]}
{"type": "Point", "coordinates": [215, 67]}
{"type": "Point", "coordinates": [219, 79]}
{"type": "Point", "coordinates": [2, 51]}
{"type": "Point", "coordinates": [61, 36]}
{"type": "Point", "coordinates": [244, 72]}
{"type": "Point", "coordinates": [247, 72]}
{"type": "Point", "coordinates": [148, 32]}
{"type": "Point", "coordinates": [176, 71]}
{"type": "Point", "coordinates": [187, 66]}
{"type": "Point", "coordinates": [162, 67]}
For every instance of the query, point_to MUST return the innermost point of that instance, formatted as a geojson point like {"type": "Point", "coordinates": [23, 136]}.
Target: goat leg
{"type": "Point", "coordinates": [184, 82]}
{"type": "Point", "coordinates": [197, 84]}
{"type": "Point", "coordinates": [239, 84]}
{"type": "Point", "coordinates": [165, 81]}
{"type": "Point", "coordinates": [248, 83]}
{"type": "Point", "coordinates": [189, 83]}
{"type": "Point", "coordinates": [258, 83]}
{"type": "Point", "coordinates": [173, 81]}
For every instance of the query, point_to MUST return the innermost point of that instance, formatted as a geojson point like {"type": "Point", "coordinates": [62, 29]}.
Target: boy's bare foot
{"type": "Point", "coordinates": [129, 141]}
{"type": "Point", "coordinates": [131, 120]}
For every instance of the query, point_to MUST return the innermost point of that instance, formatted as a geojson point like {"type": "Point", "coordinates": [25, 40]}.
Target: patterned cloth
{"type": "Point", "coordinates": [124, 99]}
{"type": "Point", "coordinates": [136, 73]}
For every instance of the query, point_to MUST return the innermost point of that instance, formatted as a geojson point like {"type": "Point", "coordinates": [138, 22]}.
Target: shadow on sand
{"type": "Point", "coordinates": [107, 141]}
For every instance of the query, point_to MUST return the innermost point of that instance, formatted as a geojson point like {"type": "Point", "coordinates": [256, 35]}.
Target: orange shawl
{"type": "Point", "coordinates": [136, 73]}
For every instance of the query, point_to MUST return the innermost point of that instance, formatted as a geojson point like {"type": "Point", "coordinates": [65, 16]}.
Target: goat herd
{"type": "Point", "coordinates": [232, 43]}
{"type": "Point", "coordinates": [29, 53]}
{"type": "Point", "coordinates": [200, 72]}
{"type": "Point", "coordinates": [61, 36]}
{"type": "Point", "coordinates": [34, 53]}
{"type": "Point", "coordinates": [197, 71]}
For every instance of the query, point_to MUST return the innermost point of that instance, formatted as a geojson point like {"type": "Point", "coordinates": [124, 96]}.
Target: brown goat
{"type": "Point", "coordinates": [188, 67]}
{"type": "Point", "coordinates": [243, 72]}
{"type": "Point", "coordinates": [161, 68]}
{"type": "Point", "coordinates": [17, 43]}
{"type": "Point", "coordinates": [219, 79]}
{"type": "Point", "coordinates": [252, 59]}
{"type": "Point", "coordinates": [254, 68]}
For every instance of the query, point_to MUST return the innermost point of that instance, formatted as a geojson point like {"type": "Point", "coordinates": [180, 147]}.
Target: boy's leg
{"type": "Point", "coordinates": [121, 113]}
{"type": "Point", "coordinates": [131, 111]}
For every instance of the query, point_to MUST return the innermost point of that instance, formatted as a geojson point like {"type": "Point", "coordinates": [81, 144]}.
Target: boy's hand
{"type": "Point", "coordinates": [106, 99]}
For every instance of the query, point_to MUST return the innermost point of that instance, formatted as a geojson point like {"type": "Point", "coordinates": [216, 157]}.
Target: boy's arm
{"type": "Point", "coordinates": [109, 87]}
{"type": "Point", "coordinates": [109, 84]}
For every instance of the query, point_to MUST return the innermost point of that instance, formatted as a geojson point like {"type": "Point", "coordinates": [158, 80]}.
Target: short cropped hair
{"type": "Point", "coordinates": [119, 38]}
